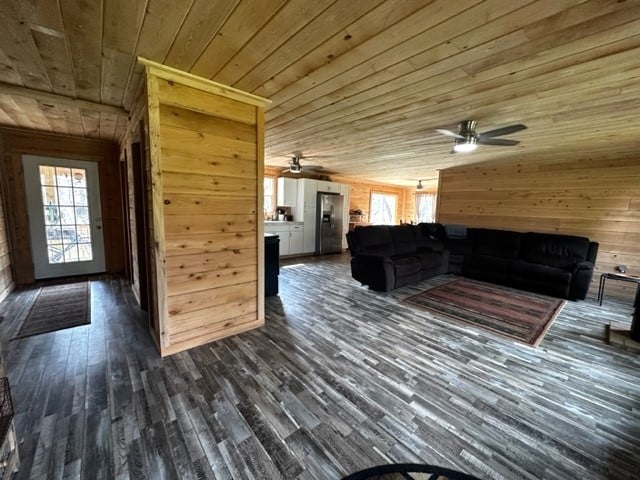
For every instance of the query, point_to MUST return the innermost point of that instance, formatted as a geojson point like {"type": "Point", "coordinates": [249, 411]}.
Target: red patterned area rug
{"type": "Point", "coordinates": [519, 315]}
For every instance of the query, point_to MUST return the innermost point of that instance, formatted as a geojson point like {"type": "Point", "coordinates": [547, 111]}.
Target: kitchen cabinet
{"type": "Point", "coordinates": [345, 190]}
{"type": "Point", "coordinates": [306, 212]}
{"type": "Point", "coordinates": [306, 209]}
{"type": "Point", "coordinates": [331, 187]}
{"type": "Point", "coordinates": [291, 236]}
{"type": "Point", "coordinates": [296, 239]}
{"type": "Point", "coordinates": [287, 192]}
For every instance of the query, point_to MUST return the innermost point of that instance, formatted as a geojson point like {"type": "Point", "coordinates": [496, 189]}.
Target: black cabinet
{"type": "Point", "coordinates": [271, 264]}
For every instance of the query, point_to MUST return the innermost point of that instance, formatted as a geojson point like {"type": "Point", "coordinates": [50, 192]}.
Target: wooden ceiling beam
{"type": "Point", "coordinates": [47, 97]}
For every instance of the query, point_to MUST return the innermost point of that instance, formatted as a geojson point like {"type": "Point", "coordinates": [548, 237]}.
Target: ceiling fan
{"type": "Point", "coordinates": [296, 167]}
{"type": "Point", "coordinates": [419, 186]}
{"type": "Point", "coordinates": [466, 140]}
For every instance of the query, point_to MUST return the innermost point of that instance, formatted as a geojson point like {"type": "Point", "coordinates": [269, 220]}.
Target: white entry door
{"type": "Point", "coordinates": [65, 219]}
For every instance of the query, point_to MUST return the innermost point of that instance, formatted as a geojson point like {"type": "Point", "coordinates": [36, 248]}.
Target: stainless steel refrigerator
{"type": "Point", "coordinates": [329, 223]}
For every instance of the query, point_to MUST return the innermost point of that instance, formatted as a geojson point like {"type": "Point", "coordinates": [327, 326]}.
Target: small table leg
{"type": "Point", "coordinates": [601, 288]}
{"type": "Point", "coordinates": [634, 333]}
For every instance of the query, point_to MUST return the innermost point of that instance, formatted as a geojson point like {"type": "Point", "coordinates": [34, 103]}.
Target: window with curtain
{"type": "Point", "coordinates": [425, 207]}
{"type": "Point", "coordinates": [383, 208]}
{"type": "Point", "coordinates": [269, 195]}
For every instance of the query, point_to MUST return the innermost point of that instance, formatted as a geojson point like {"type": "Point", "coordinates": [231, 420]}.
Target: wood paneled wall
{"type": "Point", "coordinates": [360, 192]}
{"type": "Point", "coordinates": [6, 274]}
{"type": "Point", "coordinates": [360, 195]}
{"type": "Point", "coordinates": [596, 197]}
{"type": "Point", "coordinates": [206, 150]}
{"type": "Point", "coordinates": [16, 143]}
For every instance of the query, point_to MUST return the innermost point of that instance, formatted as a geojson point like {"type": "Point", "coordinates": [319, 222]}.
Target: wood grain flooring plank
{"type": "Point", "coordinates": [156, 451]}
{"type": "Point", "coordinates": [315, 460]}
{"type": "Point", "coordinates": [339, 378]}
{"type": "Point", "coordinates": [97, 446]}
{"type": "Point", "coordinates": [273, 444]}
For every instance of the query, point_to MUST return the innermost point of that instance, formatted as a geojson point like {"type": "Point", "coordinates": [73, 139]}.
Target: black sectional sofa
{"type": "Point", "coordinates": [386, 257]}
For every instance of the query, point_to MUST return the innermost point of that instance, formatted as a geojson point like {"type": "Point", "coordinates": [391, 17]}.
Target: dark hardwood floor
{"type": "Point", "coordinates": [340, 378]}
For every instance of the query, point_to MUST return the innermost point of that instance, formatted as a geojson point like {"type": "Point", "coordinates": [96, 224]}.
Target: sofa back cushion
{"type": "Point", "coordinates": [561, 251]}
{"type": "Point", "coordinates": [374, 240]}
{"type": "Point", "coordinates": [495, 243]}
{"type": "Point", "coordinates": [404, 239]}
{"type": "Point", "coordinates": [430, 237]}
{"type": "Point", "coordinates": [432, 231]}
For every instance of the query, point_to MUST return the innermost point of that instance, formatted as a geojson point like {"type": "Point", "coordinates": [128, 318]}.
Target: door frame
{"type": "Point", "coordinates": [140, 208]}
{"type": "Point", "coordinates": [41, 266]}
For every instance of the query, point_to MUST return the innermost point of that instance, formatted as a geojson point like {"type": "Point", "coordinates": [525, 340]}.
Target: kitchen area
{"type": "Point", "coordinates": [311, 218]}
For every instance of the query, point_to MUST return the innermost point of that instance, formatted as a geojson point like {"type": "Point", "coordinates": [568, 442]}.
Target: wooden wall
{"type": "Point", "coordinates": [598, 198]}
{"type": "Point", "coordinates": [360, 192]}
{"type": "Point", "coordinates": [207, 164]}
{"type": "Point", "coordinates": [15, 143]}
{"type": "Point", "coordinates": [6, 275]}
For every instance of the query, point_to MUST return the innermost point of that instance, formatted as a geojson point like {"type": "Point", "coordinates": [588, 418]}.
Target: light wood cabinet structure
{"type": "Point", "coordinates": [206, 157]}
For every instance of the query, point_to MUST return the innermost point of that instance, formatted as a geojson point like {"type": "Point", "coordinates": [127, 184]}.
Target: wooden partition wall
{"type": "Point", "coordinates": [596, 196]}
{"type": "Point", "coordinates": [206, 151]}
{"type": "Point", "coordinates": [6, 276]}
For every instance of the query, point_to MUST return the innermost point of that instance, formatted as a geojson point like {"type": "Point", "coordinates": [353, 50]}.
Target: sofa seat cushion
{"type": "Point", "coordinates": [406, 269]}
{"type": "Point", "coordinates": [429, 260]}
{"type": "Point", "coordinates": [405, 265]}
{"type": "Point", "coordinates": [561, 251]}
{"type": "Point", "coordinates": [487, 268]}
{"type": "Point", "coordinates": [541, 278]}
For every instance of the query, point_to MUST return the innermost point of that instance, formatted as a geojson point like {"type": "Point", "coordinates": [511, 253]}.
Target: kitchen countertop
{"type": "Point", "coordinates": [282, 222]}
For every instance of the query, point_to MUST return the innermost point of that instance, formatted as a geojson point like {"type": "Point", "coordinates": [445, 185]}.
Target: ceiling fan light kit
{"type": "Point", "coordinates": [296, 167]}
{"type": "Point", "coordinates": [467, 139]}
{"type": "Point", "coordinates": [465, 145]}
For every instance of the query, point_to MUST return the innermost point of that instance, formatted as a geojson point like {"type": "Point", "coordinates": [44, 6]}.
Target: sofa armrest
{"type": "Point", "coordinates": [585, 265]}
{"type": "Point", "coordinates": [374, 270]}
{"type": "Point", "coordinates": [580, 280]}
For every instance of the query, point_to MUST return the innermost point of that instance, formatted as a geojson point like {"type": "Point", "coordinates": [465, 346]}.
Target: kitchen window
{"type": "Point", "coordinates": [383, 208]}
{"type": "Point", "coordinates": [269, 195]}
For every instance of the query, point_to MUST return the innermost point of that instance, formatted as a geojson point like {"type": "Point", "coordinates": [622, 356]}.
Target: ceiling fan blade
{"type": "Point", "coordinates": [448, 133]}
{"type": "Point", "coordinates": [503, 131]}
{"type": "Point", "coordinates": [498, 141]}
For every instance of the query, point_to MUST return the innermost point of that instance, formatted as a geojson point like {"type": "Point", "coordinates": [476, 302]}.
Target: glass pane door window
{"type": "Point", "coordinates": [65, 219]}
{"type": "Point", "coordinates": [66, 214]}
{"type": "Point", "coordinates": [383, 208]}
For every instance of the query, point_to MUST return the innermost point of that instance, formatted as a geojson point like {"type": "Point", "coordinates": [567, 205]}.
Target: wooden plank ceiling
{"type": "Point", "coordinates": [361, 83]}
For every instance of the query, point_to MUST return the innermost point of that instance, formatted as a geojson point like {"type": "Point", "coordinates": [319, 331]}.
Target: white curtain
{"type": "Point", "coordinates": [425, 207]}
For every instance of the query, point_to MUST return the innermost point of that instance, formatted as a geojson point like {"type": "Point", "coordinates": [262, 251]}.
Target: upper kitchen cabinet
{"type": "Point", "coordinates": [331, 187]}
{"type": "Point", "coordinates": [306, 212]}
{"type": "Point", "coordinates": [206, 157]}
{"type": "Point", "coordinates": [287, 192]}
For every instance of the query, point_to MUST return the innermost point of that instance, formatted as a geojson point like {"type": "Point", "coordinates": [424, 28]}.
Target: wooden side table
{"type": "Point", "coordinates": [623, 277]}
